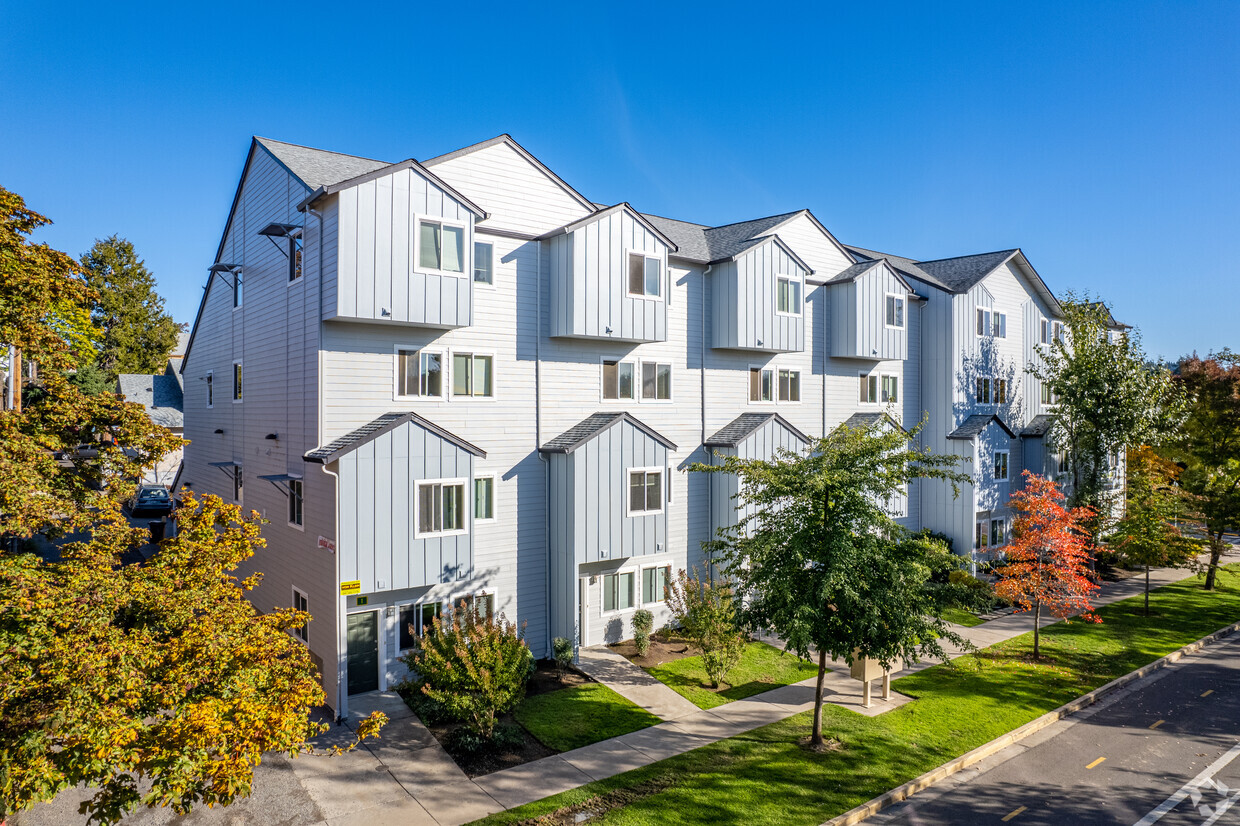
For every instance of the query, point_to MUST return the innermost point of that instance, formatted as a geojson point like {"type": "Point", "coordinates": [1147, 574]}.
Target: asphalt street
{"type": "Point", "coordinates": [1166, 751]}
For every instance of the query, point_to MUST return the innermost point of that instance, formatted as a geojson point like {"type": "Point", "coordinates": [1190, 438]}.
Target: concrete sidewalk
{"type": "Point", "coordinates": [633, 683]}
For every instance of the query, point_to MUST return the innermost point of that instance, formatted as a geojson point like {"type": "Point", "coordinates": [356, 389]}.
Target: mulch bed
{"type": "Point", "coordinates": [663, 649]}
{"type": "Point", "coordinates": [544, 680]}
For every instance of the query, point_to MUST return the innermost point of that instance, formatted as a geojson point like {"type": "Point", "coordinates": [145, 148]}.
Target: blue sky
{"type": "Point", "coordinates": [1103, 138]}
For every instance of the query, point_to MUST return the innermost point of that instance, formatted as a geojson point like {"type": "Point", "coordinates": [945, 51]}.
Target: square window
{"type": "Point", "coordinates": [656, 381]}
{"type": "Point", "coordinates": [484, 497]}
{"type": "Point", "coordinates": [483, 254]}
{"type": "Point", "coordinates": [654, 583]}
{"type": "Point", "coordinates": [895, 311]}
{"type": "Point", "coordinates": [440, 508]}
{"type": "Point", "coordinates": [482, 606]}
{"type": "Point", "coordinates": [645, 275]}
{"type": "Point", "coordinates": [761, 384]}
{"type": "Point", "coordinates": [789, 385]}
{"type": "Point", "coordinates": [294, 502]}
{"type": "Point", "coordinates": [618, 591]}
{"type": "Point", "coordinates": [441, 247]}
{"type": "Point", "coordinates": [618, 380]}
{"type": "Point", "coordinates": [471, 375]}
{"type": "Point", "coordinates": [869, 389]}
{"type": "Point", "coordinates": [419, 373]}
{"type": "Point", "coordinates": [645, 492]}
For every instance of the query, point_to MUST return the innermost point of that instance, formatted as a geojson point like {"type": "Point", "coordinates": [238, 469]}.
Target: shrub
{"type": "Point", "coordinates": [643, 623]}
{"type": "Point", "coordinates": [562, 650]}
{"type": "Point", "coordinates": [467, 743]}
{"type": "Point", "coordinates": [707, 615]}
{"type": "Point", "coordinates": [475, 666]}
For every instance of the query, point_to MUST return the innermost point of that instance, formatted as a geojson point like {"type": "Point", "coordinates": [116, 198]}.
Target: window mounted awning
{"type": "Point", "coordinates": [226, 467]}
{"type": "Point", "coordinates": [223, 268]}
{"type": "Point", "coordinates": [277, 230]}
{"type": "Point", "coordinates": [281, 480]}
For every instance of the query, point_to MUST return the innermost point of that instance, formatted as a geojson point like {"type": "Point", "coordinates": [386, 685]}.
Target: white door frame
{"type": "Point", "coordinates": [583, 612]}
{"type": "Point", "coordinates": [380, 631]}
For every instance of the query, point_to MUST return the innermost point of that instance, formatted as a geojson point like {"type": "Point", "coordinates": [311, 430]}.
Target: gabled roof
{"type": "Point", "coordinates": [318, 167]}
{"type": "Point", "coordinates": [603, 213]}
{"type": "Point", "coordinates": [731, 239]}
{"type": "Point", "coordinates": [960, 274]}
{"type": "Point", "coordinates": [704, 244]}
{"type": "Point", "coordinates": [1038, 426]}
{"type": "Point", "coordinates": [384, 424]}
{"type": "Point", "coordinates": [388, 169]}
{"type": "Point", "coordinates": [861, 421]}
{"type": "Point", "coordinates": [975, 424]}
{"type": "Point", "coordinates": [590, 427]}
{"type": "Point", "coordinates": [744, 425]}
{"type": "Point", "coordinates": [762, 241]}
{"type": "Point", "coordinates": [161, 396]}
{"type": "Point", "coordinates": [690, 238]}
{"type": "Point", "coordinates": [520, 150]}
{"type": "Point", "coordinates": [861, 268]}
{"type": "Point", "coordinates": [1111, 323]}
{"type": "Point", "coordinates": [902, 265]}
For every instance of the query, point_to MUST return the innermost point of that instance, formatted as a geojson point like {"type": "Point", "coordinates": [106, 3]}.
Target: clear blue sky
{"type": "Point", "coordinates": [1103, 138]}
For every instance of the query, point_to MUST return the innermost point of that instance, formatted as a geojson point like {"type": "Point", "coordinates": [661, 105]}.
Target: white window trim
{"type": "Point", "coordinates": [1007, 465]}
{"type": "Point", "coordinates": [774, 378]}
{"type": "Point", "coordinates": [445, 369]}
{"type": "Point", "coordinates": [450, 370]}
{"type": "Point", "coordinates": [801, 293]}
{"type": "Point", "coordinates": [663, 275]}
{"type": "Point", "coordinates": [291, 523]}
{"type": "Point", "coordinates": [640, 584]}
{"type": "Point", "coordinates": [1004, 523]}
{"type": "Point", "coordinates": [990, 391]}
{"type": "Point", "coordinates": [450, 603]}
{"type": "Point", "coordinates": [233, 389]}
{"type": "Point", "coordinates": [628, 483]}
{"type": "Point", "coordinates": [637, 391]}
{"type": "Point", "coordinates": [291, 247]}
{"type": "Point", "coordinates": [671, 382]}
{"type": "Point", "coordinates": [467, 266]}
{"type": "Point", "coordinates": [988, 327]}
{"type": "Point", "coordinates": [238, 499]}
{"type": "Point", "coordinates": [800, 385]}
{"type": "Point", "coordinates": [878, 392]}
{"type": "Point", "coordinates": [483, 284]}
{"type": "Point", "coordinates": [466, 489]}
{"type": "Point", "coordinates": [210, 380]}
{"type": "Point", "coordinates": [637, 590]}
{"type": "Point", "coordinates": [899, 391]}
{"type": "Point", "coordinates": [305, 629]}
{"type": "Point", "coordinates": [903, 312]}
{"type": "Point", "coordinates": [980, 519]}
{"type": "Point", "coordinates": [494, 497]}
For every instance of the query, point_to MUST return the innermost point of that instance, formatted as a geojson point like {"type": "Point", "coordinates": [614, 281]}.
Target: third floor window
{"type": "Point", "coordinates": [645, 275]}
{"type": "Point", "coordinates": [788, 295]}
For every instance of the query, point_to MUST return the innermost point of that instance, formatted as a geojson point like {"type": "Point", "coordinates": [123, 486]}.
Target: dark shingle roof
{"type": "Point", "coordinates": [855, 271]}
{"type": "Point", "coordinates": [373, 430]}
{"type": "Point", "coordinates": [902, 265]}
{"type": "Point", "coordinates": [592, 426]}
{"type": "Point", "coordinates": [740, 428]}
{"type": "Point", "coordinates": [1039, 425]}
{"type": "Point", "coordinates": [704, 244]}
{"type": "Point", "coordinates": [975, 424]}
{"type": "Point", "coordinates": [161, 396]}
{"type": "Point", "coordinates": [690, 238]}
{"type": "Point", "coordinates": [861, 421]}
{"type": "Point", "coordinates": [960, 274]}
{"type": "Point", "coordinates": [317, 167]}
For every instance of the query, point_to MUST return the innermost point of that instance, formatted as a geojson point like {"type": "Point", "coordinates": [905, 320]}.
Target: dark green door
{"type": "Point", "coordinates": [363, 652]}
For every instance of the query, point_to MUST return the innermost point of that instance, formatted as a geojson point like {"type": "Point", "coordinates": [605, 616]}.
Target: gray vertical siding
{"type": "Point", "coordinates": [743, 296]}
{"type": "Point", "coordinates": [376, 277]}
{"type": "Point", "coordinates": [859, 317]}
{"type": "Point", "coordinates": [589, 282]}
{"type": "Point", "coordinates": [377, 544]}
{"type": "Point", "coordinates": [764, 443]}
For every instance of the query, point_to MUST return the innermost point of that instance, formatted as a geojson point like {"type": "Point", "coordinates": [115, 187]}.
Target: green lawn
{"type": "Point", "coordinates": [962, 617]}
{"type": "Point", "coordinates": [574, 717]}
{"type": "Point", "coordinates": [762, 667]}
{"type": "Point", "coordinates": [767, 777]}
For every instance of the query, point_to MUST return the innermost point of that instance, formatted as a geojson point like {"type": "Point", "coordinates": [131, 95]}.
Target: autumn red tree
{"type": "Point", "coordinates": [1047, 561]}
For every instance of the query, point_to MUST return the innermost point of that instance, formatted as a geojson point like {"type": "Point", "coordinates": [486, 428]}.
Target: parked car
{"type": "Point", "coordinates": [151, 499]}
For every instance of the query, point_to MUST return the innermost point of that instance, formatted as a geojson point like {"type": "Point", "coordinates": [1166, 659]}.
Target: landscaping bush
{"type": "Point", "coordinates": [475, 666]}
{"type": "Point", "coordinates": [562, 650]}
{"type": "Point", "coordinates": [643, 623]}
{"type": "Point", "coordinates": [707, 616]}
{"type": "Point", "coordinates": [466, 743]}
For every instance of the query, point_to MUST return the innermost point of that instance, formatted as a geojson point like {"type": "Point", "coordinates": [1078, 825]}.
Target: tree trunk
{"type": "Point", "coordinates": [1037, 627]}
{"type": "Point", "coordinates": [1147, 590]}
{"type": "Point", "coordinates": [15, 379]}
{"type": "Point", "coordinates": [1216, 554]}
{"type": "Point", "coordinates": [815, 738]}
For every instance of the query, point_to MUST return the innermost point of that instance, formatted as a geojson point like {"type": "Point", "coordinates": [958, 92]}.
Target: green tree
{"type": "Point", "coordinates": [1110, 396]}
{"type": "Point", "coordinates": [136, 335]}
{"type": "Point", "coordinates": [1148, 534]}
{"type": "Point", "coordinates": [91, 380]}
{"type": "Point", "coordinates": [821, 561]}
{"type": "Point", "coordinates": [708, 617]}
{"type": "Point", "coordinates": [1209, 445]}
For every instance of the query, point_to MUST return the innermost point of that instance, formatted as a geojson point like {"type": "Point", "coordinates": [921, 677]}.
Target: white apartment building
{"type": "Point", "coordinates": [461, 379]}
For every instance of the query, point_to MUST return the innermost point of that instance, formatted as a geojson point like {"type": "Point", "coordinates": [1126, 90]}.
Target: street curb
{"type": "Point", "coordinates": [964, 761]}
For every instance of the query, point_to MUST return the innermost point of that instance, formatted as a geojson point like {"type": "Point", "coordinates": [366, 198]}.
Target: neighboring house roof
{"type": "Point", "coordinates": [384, 424]}
{"type": "Point", "coordinates": [1112, 324]}
{"type": "Point", "coordinates": [160, 394]}
{"type": "Point", "coordinates": [1038, 426]}
{"type": "Point", "coordinates": [592, 426]}
{"type": "Point", "coordinates": [318, 167]}
{"type": "Point", "coordinates": [861, 421]}
{"type": "Point", "coordinates": [523, 152]}
{"type": "Point", "coordinates": [745, 425]}
{"type": "Point", "coordinates": [975, 424]}
{"type": "Point", "coordinates": [182, 343]}
{"type": "Point", "coordinates": [605, 211]}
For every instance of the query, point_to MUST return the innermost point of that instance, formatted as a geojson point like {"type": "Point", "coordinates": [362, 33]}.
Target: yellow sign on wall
{"type": "Point", "coordinates": [353, 586]}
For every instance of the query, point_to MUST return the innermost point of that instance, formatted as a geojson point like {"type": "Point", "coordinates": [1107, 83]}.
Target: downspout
{"type": "Point", "coordinates": [319, 332]}
{"type": "Point", "coordinates": [538, 443]}
{"type": "Point", "coordinates": [342, 638]}
{"type": "Point", "coordinates": [710, 484]}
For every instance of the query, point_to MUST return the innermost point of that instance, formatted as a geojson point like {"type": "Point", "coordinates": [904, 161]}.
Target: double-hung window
{"type": "Point", "coordinates": [441, 247]}
{"type": "Point", "coordinates": [484, 254]}
{"type": "Point", "coordinates": [618, 591]}
{"type": "Point", "coordinates": [895, 311]}
{"type": "Point", "coordinates": [419, 373]}
{"type": "Point", "coordinates": [656, 381]}
{"type": "Point", "coordinates": [789, 385]}
{"type": "Point", "coordinates": [440, 507]}
{"type": "Point", "coordinates": [645, 491]}
{"type": "Point", "coordinates": [236, 381]}
{"type": "Point", "coordinates": [471, 375]}
{"type": "Point", "coordinates": [891, 388]}
{"type": "Point", "coordinates": [983, 390]}
{"type": "Point", "coordinates": [645, 275]}
{"type": "Point", "coordinates": [484, 498]}
{"type": "Point", "coordinates": [618, 380]}
{"type": "Point", "coordinates": [1001, 465]}
{"type": "Point", "coordinates": [301, 603]}
{"type": "Point", "coordinates": [294, 502]}
{"type": "Point", "coordinates": [869, 389]}
{"type": "Point", "coordinates": [787, 295]}
{"type": "Point", "coordinates": [416, 620]}
{"type": "Point", "coordinates": [294, 257]}
{"type": "Point", "coordinates": [761, 384]}
{"type": "Point", "coordinates": [654, 583]}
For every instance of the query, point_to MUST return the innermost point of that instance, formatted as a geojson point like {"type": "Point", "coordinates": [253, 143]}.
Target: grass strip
{"type": "Point", "coordinates": [762, 667]}
{"type": "Point", "coordinates": [578, 716]}
{"type": "Point", "coordinates": [962, 617]}
{"type": "Point", "coordinates": [764, 776]}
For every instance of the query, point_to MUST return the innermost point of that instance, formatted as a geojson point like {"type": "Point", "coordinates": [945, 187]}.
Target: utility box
{"type": "Point", "coordinates": [866, 669]}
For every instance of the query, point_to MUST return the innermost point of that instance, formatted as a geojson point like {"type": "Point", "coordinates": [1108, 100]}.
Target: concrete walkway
{"type": "Point", "coordinates": [633, 683]}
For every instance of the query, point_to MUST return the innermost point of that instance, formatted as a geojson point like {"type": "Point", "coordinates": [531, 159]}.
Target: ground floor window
{"type": "Point", "coordinates": [998, 532]}
{"type": "Point", "coordinates": [981, 535]}
{"type": "Point", "coordinates": [301, 603]}
{"type": "Point", "coordinates": [618, 591]}
{"type": "Point", "coordinates": [416, 620]}
{"type": "Point", "coordinates": [482, 605]}
{"type": "Point", "coordinates": [654, 583]}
